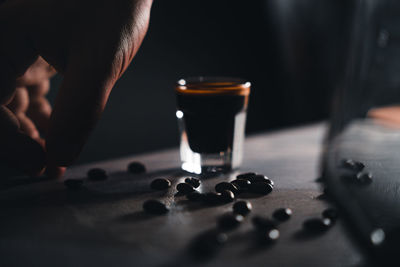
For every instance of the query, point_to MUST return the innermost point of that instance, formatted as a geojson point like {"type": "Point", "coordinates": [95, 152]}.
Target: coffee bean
{"type": "Point", "coordinates": [136, 167]}
{"type": "Point", "coordinates": [73, 184]}
{"type": "Point", "coordinates": [194, 196]}
{"type": "Point", "coordinates": [317, 224]}
{"type": "Point", "coordinates": [242, 207]}
{"type": "Point", "coordinates": [364, 177]}
{"type": "Point", "coordinates": [262, 223]}
{"type": "Point", "coordinates": [227, 196]}
{"type": "Point", "coordinates": [184, 188]}
{"type": "Point", "coordinates": [212, 198]}
{"type": "Point", "coordinates": [229, 221]}
{"type": "Point", "coordinates": [160, 184]}
{"type": "Point", "coordinates": [282, 214]}
{"type": "Point", "coordinates": [226, 186]}
{"type": "Point", "coordinates": [263, 188]}
{"type": "Point", "coordinates": [246, 175]}
{"type": "Point", "coordinates": [241, 184]}
{"type": "Point", "coordinates": [353, 165]}
{"type": "Point", "coordinates": [97, 174]}
{"type": "Point", "coordinates": [155, 207]}
{"type": "Point", "coordinates": [330, 213]}
{"type": "Point", "coordinates": [261, 178]}
{"type": "Point", "coordinates": [193, 181]}
{"type": "Point", "coordinates": [268, 236]}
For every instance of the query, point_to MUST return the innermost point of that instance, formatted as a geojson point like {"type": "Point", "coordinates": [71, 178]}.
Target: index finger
{"type": "Point", "coordinates": [78, 106]}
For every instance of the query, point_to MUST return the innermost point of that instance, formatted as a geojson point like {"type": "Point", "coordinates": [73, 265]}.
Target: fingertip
{"type": "Point", "coordinates": [55, 172]}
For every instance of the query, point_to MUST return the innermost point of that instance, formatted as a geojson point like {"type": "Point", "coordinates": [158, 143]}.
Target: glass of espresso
{"type": "Point", "coordinates": [211, 113]}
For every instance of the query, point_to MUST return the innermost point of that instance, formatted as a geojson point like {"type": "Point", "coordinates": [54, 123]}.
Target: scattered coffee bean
{"type": "Point", "coordinates": [155, 207]}
{"type": "Point", "coordinates": [184, 188]}
{"type": "Point", "coordinates": [317, 224]}
{"type": "Point", "coordinates": [261, 178]}
{"type": "Point", "coordinates": [330, 213]}
{"type": "Point", "coordinates": [242, 207]}
{"type": "Point", "coordinates": [353, 165]}
{"type": "Point", "coordinates": [282, 214]}
{"type": "Point", "coordinates": [160, 184]}
{"type": "Point", "coordinates": [226, 186]}
{"type": "Point", "coordinates": [262, 223]}
{"type": "Point", "coordinates": [97, 174]}
{"type": "Point", "coordinates": [364, 177]}
{"type": "Point", "coordinates": [73, 184]}
{"type": "Point", "coordinates": [212, 198]}
{"type": "Point", "coordinates": [246, 176]}
{"type": "Point", "coordinates": [241, 184]}
{"type": "Point", "coordinates": [227, 196]}
{"type": "Point", "coordinates": [268, 236]}
{"type": "Point", "coordinates": [193, 181]}
{"type": "Point", "coordinates": [229, 221]}
{"type": "Point", "coordinates": [136, 167]}
{"type": "Point", "coordinates": [261, 188]}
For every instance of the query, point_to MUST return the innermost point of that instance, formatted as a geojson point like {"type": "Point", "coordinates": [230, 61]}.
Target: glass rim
{"type": "Point", "coordinates": [213, 85]}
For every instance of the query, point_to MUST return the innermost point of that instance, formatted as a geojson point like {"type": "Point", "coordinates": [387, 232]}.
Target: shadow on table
{"type": "Point", "coordinates": [44, 192]}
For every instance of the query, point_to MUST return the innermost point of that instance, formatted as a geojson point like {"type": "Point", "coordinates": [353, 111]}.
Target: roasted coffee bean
{"type": "Point", "coordinates": [261, 178]}
{"type": "Point", "coordinates": [230, 221]}
{"type": "Point", "coordinates": [268, 236]}
{"type": "Point", "coordinates": [73, 184]}
{"type": "Point", "coordinates": [246, 175]}
{"type": "Point", "coordinates": [262, 223]}
{"type": "Point", "coordinates": [136, 167]}
{"type": "Point", "coordinates": [241, 184]}
{"type": "Point", "coordinates": [282, 214]}
{"type": "Point", "coordinates": [330, 213]}
{"type": "Point", "coordinates": [317, 224]}
{"type": "Point", "coordinates": [160, 184]}
{"type": "Point", "coordinates": [364, 177]}
{"type": "Point", "coordinates": [193, 181]}
{"type": "Point", "coordinates": [226, 186]}
{"type": "Point", "coordinates": [97, 174]}
{"type": "Point", "coordinates": [194, 196]}
{"type": "Point", "coordinates": [155, 207]}
{"type": "Point", "coordinates": [353, 165]}
{"type": "Point", "coordinates": [184, 188]}
{"type": "Point", "coordinates": [242, 207]}
{"type": "Point", "coordinates": [261, 188]}
{"type": "Point", "coordinates": [212, 198]}
{"type": "Point", "coordinates": [227, 196]}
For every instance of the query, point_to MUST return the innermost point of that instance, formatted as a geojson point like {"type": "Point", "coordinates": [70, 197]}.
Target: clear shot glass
{"type": "Point", "coordinates": [211, 113]}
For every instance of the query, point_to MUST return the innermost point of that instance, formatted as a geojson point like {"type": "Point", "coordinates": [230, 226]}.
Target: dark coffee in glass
{"type": "Point", "coordinates": [211, 113]}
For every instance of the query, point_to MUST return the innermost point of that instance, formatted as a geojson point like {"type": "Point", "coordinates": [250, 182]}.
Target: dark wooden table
{"type": "Point", "coordinates": [44, 224]}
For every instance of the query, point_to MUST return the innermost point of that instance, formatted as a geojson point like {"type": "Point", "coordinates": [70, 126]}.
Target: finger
{"type": "Point", "coordinates": [18, 149]}
{"type": "Point", "coordinates": [38, 72]}
{"type": "Point", "coordinates": [79, 103]}
{"type": "Point", "coordinates": [19, 106]}
{"type": "Point", "coordinates": [39, 109]}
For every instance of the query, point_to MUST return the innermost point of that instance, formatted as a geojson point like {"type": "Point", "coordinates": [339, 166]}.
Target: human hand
{"type": "Point", "coordinates": [91, 43]}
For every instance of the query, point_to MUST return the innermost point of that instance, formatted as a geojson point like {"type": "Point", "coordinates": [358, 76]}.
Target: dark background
{"type": "Point", "coordinates": [292, 52]}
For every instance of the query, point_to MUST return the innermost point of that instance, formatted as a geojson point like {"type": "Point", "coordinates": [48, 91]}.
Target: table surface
{"type": "Point", "coordinates": [44, 224]}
